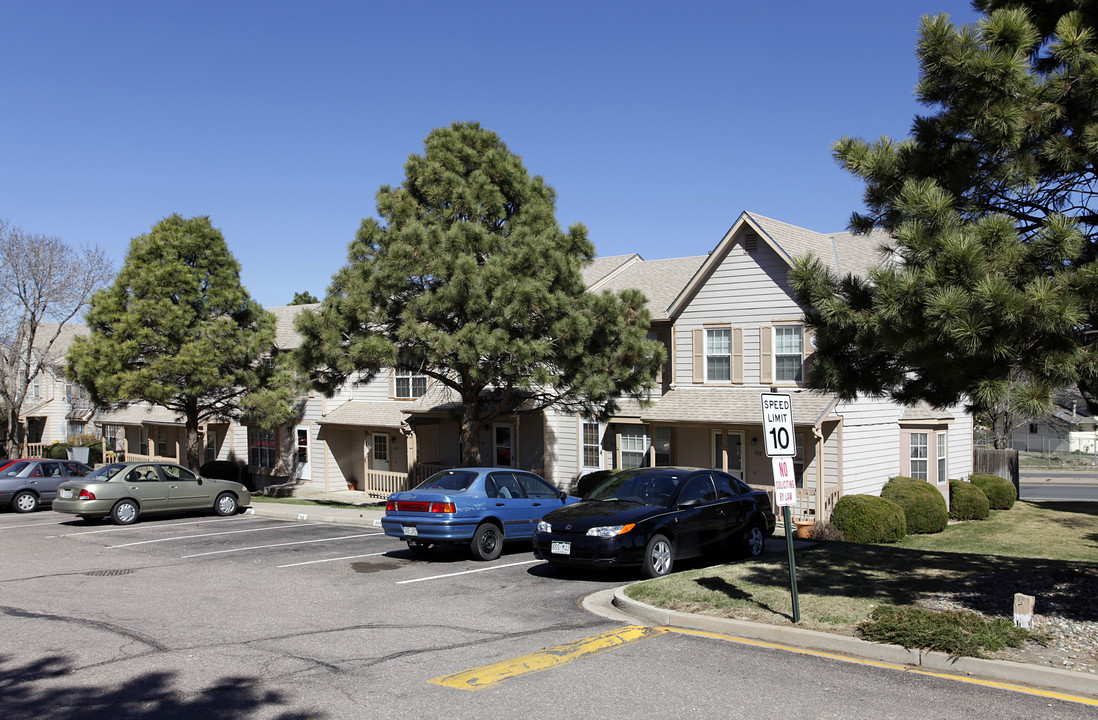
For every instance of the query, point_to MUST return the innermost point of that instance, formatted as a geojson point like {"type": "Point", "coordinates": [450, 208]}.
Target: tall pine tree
{"type": "Point", "coordinates": [178, 330]}
{"type": "Point", "coordinates": [468, 279]}
{"type": "Point", "coordinates": [992, 297]}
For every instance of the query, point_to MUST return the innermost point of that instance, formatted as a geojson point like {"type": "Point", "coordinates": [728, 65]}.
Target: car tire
{"type": "Point", "coordinates": [487, 542]}
{"type": "Point", "coordinates": [125, 512]}
{"type": "Point", "coordinates": [226, 504]}
{"type": "Point", "coordinates": [419, 547]}
{"type": "Point", "coordinates": [754, 540]}
{"type": "Point", "coordinates": [24, 502]}
{"type": "Point", "coordinates": [659, 557]}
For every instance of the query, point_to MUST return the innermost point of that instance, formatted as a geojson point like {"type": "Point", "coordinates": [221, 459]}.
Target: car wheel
{"type": "Point", "coordinates": [125, 512]}
{"type": "Point", "coordinates": [225, 504]}
{"type": "Point", "coordinates": [753, 540]}
{"type": "Point", "coordinates": [659, 557]}
{"type": "Point", "coordinates": [419, 548]}
{"type": "Point", "coordinates": [24, 502]}
{"type": "Point", "coordinates": [487, 543]}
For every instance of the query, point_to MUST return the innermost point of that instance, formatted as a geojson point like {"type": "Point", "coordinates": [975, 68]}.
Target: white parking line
{"type": "Point", "coordinates": [16, 527]}
{"type": "Point", "coordinates": [347, 557]}
{"type": "Point", "coordinates": [298, 542]}
{"type": "Point", "coordinates": [213, 534]}
{"type": "Point", "coordinates": [151, 526]}
{"type": "Point", "coordinates": [466, 572]}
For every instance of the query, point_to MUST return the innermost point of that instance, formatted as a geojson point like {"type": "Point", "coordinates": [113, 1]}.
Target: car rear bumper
{"type": "Point", "coordinates": [429, 530]}
{"type": "Point", "coordinates": [83, 507]}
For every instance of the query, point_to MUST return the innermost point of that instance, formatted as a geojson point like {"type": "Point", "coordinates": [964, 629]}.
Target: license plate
{"type": "Point", "coordinates": [410, 530]}
{"type": "Point", "coordinates": [561, 548]}
{"type": "Point", "coordinates": [66, 492]}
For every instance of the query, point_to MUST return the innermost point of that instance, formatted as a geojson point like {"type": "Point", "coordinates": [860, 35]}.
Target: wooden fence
{"type": "Point", "coordinates": [1003, 463]}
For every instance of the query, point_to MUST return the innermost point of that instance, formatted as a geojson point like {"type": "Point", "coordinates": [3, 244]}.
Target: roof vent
{"type": "Point", "coordinates": [750, 242]}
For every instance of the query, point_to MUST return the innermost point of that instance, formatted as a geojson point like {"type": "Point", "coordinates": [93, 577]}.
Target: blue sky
{"type": "Point", "coordinates": [657, 123]}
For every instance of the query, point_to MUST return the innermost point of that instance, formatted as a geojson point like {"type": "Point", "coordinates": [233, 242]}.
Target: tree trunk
{"type": "Point", "coordinates": [194, 452]}
{"type": "Point", "coordinates": [13, 436]}
{"type": "Point", "coordinates": [470, 434]}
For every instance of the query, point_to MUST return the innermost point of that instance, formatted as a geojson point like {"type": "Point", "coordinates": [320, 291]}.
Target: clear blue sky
{"type": "Point", "coordinates": [657, 123]}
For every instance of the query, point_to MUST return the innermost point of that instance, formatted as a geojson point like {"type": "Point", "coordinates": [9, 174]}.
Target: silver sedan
{"type": "Point", "coordinates": [124, 491]}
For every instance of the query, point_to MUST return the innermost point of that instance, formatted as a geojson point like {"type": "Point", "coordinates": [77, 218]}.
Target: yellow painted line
{"type": "Point", "coordinates": [489, 675]}
{"type": "Point", "coordinates": [892, 666]}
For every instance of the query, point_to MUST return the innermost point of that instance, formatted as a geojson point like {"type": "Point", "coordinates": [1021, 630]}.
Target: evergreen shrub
{"type": "Point", "coordinates": [924, 506]}
{"type": "Point", "coordinates": [1000, 492]}
{"type": "Point", "coordinates": [56, 451]}
{"type": "Point", "coordinates": [966, 501]}
{"type": "Point", "coordinates": [869, 519]}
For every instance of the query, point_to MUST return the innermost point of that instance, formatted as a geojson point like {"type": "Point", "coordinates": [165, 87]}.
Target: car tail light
{"type": "Point", "coordinates": [442, 507]}
{"type": "Point", "coordinates": [391, 506]}
{"type": "Point", "coordinates": [421, 506]}
{"type": "Point", "coordinates": [86, 495]}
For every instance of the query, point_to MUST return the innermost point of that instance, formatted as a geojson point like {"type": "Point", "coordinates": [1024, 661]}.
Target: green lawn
{"type": "Point", "coordinates": [1049, 550]}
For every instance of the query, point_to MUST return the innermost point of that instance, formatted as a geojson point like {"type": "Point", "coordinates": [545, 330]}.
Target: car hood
{"type": "Point", "coordinates": [592, 513]}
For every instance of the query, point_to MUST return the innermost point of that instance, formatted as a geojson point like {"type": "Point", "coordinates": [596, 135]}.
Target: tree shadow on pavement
{"type": "Point", "coordinates": [41, 688]}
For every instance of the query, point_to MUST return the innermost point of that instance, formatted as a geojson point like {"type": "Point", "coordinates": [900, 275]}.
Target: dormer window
{"type": "Point", "coordinates": [409, 385]}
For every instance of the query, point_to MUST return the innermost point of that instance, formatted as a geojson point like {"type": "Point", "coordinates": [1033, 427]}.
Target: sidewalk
{"type": "Point", "coordinates": [613, 604]}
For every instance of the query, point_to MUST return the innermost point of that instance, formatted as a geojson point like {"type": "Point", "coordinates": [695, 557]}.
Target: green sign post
{"type": "Point", "coordinates": [781, 447]}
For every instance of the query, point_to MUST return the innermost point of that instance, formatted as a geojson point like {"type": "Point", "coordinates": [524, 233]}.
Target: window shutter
{"type": "Point", "coordinates": [699, 355]}
{"type": "Point", "coordinates": [392, 383]}
{"type": "Point", "coordinates": [737, 355]}
{"type": "Point", "coordinates": [809, 351]}
{"type": "Point", "coordinates": [766, 359]}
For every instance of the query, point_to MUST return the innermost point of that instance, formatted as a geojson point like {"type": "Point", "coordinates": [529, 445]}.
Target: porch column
{"type": "Point", "coordinates": [617, 447]}
{"type": "Point", "coordinates": [515, 443]}
{"type": "Point", "coordinates": [817, 442]}
{"type": "Point", "coordinates": [724, 449]}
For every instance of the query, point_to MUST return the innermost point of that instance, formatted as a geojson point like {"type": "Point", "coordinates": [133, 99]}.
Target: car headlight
{"type": "Point", "coordinates": [609, 531]}
{"type": "Point", "coordinates": [544, 527]}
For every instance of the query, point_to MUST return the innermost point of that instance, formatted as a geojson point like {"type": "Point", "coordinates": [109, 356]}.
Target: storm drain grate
{"type": "Point", "coordinates": [108, 573]}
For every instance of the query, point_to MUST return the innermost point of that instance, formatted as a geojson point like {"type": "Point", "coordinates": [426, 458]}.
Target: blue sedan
{"type": "Point", "coordinates": [478, 507]}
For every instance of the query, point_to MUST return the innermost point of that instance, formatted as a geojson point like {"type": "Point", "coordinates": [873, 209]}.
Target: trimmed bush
{"type": "Point", "coordinates": [966, 501]}
{"type": "Point", "coordinates": [590, 481]}
{"type": "Point", "coordinates": [1000, 492]}
{"type": "Point", "coordinates": [56, 451]}
{"type": "Point", "coordinates": [869, 519]}
{"type": "Point", "coordinates": [924, 506]}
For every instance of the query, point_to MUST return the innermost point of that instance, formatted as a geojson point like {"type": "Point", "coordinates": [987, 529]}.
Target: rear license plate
{"type": "Point", "coordinates": [410, 530]}
{"type": "Point", "coordinates": [66, 492]}
{"type": "Point", "coordinates": [561, 548]}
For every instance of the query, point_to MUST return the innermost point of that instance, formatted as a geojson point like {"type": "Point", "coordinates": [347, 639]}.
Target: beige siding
{"type": "Point", "coordinates": [871, 444]}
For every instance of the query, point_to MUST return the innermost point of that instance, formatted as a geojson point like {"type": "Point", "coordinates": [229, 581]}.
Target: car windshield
{"type": "Point", "coordinates": [104, 473]}
{"type": "Point", "coordinates": [645, 487]}
{"type": "Point", "coordinates": [13, 469]}
{"type": "Point", "coordinates": [449, 480]}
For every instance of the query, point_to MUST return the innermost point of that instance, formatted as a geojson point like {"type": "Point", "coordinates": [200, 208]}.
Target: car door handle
{"type": "Point", "coordinates": [537, 504]}
{"type": "Point", "coordinates": [499, 504]}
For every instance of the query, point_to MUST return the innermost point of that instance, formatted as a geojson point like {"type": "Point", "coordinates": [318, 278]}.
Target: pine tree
{"type": "Point", "coordinates": [468, 279]}
{"type": "Point", "coordinates": [177, 329]}
{"type": "Point", "coordinates": [991, 292]}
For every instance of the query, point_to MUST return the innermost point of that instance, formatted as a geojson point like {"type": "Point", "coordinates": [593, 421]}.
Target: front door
{"type": "Point", "coordinates": [184, 490]}
{"type": "Point", "coordinates": [302, 466]}
{"type": "Point", "coordinates": [380, 452]}
{"type": "Point", "coordinates": [733, 443]}
{"type": "Point", "coordinates": [503, 445]}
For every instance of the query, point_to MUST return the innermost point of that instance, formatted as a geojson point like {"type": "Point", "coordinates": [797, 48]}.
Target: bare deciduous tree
{"type": "Point", "coordinates": [44, 284]}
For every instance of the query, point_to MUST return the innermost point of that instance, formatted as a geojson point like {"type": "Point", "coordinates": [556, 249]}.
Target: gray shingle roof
{"type": "Point", "coordinates": [601, 267]}
{"type": "Point", "coordinates": [661, 281]}
{"type": "Point", "coordinates": [711, 405]}
{"type": "Point", "coordinates": [286, 337]}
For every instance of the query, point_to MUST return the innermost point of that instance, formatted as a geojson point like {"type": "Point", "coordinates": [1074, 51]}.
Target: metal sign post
{"type": "Point", "coordinates": [781, 447]}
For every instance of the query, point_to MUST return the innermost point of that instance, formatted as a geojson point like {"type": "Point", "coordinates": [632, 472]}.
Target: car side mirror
{"type": "Point", "coordinates": [199, 479]}
{"type": "Point", "coordinates": [561, 495]}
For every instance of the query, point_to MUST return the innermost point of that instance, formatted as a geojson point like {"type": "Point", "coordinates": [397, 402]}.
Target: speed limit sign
{"type": "Point", "coordinates": [778, 425]}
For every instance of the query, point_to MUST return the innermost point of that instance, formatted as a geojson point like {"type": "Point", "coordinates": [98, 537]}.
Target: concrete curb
{"type": "Point", "coordinates": [318, 513]}
{"type": "Point", "coordinates": [1065, 681]}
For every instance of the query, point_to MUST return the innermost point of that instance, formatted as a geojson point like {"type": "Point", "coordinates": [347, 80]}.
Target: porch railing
{"type": "Point", "coordinates": [34, 450]}
{"type": "Point", "coordinates": [808, 504]}
{"type": "Point", "coordinates": [379, 483]}
{"type": "Point", "coordinates": [127, 456]}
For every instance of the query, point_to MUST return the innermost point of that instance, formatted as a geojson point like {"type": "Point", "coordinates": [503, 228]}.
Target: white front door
{"type": "Point", "coordinates": [303, 452]}
{"type": "Point", "coordinates": [381, 452]}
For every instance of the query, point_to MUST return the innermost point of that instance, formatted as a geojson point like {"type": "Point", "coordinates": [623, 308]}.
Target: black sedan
{"type": "Point", "coordinates": [652, 516]}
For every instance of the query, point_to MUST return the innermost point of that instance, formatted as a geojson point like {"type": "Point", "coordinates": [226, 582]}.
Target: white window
{"type": "Point", "coordinates": [410, 385]}
{"type": "Point", "coordinates": [718, 354]}
{"type": "Point", "coordinates": [788, 353]}
{"type": "Point", "coordinates": [634, 446]}
{"type": "Point", "coordinates": [919, 456]}
{"type": "Point", "coordinates": [943, 474]}
{"type": "Point", "coordinates": [114, 435]}
{"type": "Point", "coordinates": [592, 444]}
{"type": "Point", "coordinates": [262, 448]}
{"type": "Point", "coordinates": [162, 442]}
{"type": "Point", "coordinates": [36, 388]}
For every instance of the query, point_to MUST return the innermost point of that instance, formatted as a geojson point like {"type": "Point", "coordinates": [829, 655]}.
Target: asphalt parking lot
{"type": "Point", "coordinates": [252, 616]}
